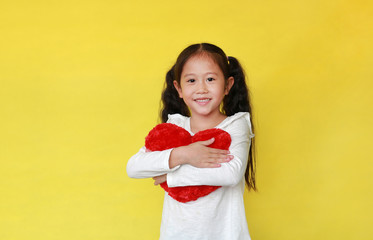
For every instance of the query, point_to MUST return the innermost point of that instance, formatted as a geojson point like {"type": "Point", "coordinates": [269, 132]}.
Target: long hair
{"type": "Point", "coordinates": [238, 99]}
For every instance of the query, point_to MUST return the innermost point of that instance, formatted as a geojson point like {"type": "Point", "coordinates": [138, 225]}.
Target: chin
{"type": "Point", "coordinates": [204, 114]}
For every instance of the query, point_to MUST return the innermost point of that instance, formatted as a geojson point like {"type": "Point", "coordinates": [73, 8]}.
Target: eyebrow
{"type": "Point", "coordinates": [211, 73]}
{"type": "Point", "coordinates": [189, 74]}
{"type": "Point", "coordinates": [192, 74]}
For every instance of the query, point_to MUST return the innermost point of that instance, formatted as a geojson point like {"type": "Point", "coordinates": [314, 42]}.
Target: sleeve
{"type": "Point", "coordinates": [229, 174]}
{"type": "Point", "coordinates": [149, 164]}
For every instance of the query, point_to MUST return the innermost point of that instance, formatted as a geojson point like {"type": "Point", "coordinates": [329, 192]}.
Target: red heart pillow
{"type": "Point", "coordinates": [167, 135]}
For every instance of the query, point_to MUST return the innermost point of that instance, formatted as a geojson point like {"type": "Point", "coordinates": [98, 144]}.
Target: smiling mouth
{"type": "Point", "coordinates": [202, 100]}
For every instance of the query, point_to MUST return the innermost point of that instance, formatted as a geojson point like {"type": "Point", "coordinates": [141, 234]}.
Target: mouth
{"type": "Point", "coordinates": [202, 100]}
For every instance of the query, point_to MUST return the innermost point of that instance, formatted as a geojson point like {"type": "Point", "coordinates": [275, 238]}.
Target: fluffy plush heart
{"type": "Point", "coordinates": [167, 135]}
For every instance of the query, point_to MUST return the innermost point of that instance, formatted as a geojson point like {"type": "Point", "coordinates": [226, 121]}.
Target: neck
{"type": "Point", "coordinates": [200, 123]}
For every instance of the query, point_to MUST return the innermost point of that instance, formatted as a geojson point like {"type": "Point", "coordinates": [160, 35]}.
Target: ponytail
{"type": "Point", "coordinates": [172, 103]}
{"type": "Point", "coordinates": [238, 100]}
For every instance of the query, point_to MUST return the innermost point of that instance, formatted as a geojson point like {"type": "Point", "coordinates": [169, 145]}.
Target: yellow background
{"type": "Point", "coordinates": [80, 89]}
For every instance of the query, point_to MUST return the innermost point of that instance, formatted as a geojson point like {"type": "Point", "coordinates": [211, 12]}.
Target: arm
{"type": "Point", "coordinates": [146, 164]}
{"type": "Point", "coordinates": [149, 164]}
{"type": "Point", "coordinates": [229, 173]}
{"type": "Point", "coordinates": [199, 155]}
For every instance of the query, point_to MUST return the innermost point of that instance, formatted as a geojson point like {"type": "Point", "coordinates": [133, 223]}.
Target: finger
{"type": "Point", "coordinates": [217, 158]}
{"type": "Point", "coordinates": [207, 142]}
{"type": "Point", "coordinates": [219, 155]}
{"type": "Point", "coordinates": [218, 151]}
{"type": "Point", "coordinates": [222, 159]}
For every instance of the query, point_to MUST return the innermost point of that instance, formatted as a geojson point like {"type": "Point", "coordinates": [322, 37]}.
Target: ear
{"type": "Point", "coordinates": [178, 88]}
{"type": "Point", "coordinates": [228, 86]}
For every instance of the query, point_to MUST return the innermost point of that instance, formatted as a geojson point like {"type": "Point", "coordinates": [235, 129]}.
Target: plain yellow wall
{"type": "Point", "coordinates": [80, 88]}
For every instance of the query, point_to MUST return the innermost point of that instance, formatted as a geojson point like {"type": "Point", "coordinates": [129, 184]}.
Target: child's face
{"type": "Point", "coordinates": [202, 86]}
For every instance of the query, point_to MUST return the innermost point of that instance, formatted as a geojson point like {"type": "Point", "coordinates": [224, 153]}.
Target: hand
{"type": "Point", "coordinates": [160, 179]}
{"type": "Point", "coordinates": [199, 155]}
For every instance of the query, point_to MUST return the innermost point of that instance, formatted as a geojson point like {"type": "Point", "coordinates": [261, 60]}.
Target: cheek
{"type": "Point", "coordinates": [186, 91]}
{"type": "Point", "coordinates": [223, 90]}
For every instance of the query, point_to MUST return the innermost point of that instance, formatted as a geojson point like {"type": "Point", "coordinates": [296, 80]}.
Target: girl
{"type": "Point", "coordinates": [204, 90]}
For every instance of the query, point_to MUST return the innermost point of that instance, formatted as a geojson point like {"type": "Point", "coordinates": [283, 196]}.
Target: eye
{"type": "Point", "coordinates": [210, 79]}
{"type": "Point", "coordinates": [191, 80]}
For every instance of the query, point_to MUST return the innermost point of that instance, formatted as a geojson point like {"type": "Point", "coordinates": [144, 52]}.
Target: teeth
{"type": "Point", "coordinates": [202, 100]}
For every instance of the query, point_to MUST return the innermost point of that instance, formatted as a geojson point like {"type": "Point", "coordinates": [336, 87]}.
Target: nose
{"type": "Point", "coordinates": [202, 87]}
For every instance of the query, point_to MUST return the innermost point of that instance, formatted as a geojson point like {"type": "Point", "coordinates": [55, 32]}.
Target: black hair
{"type": "Point", "coordinates": [237, 100]}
